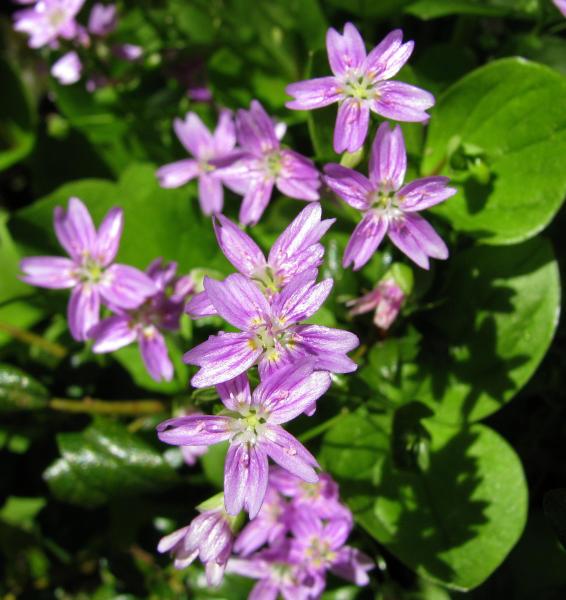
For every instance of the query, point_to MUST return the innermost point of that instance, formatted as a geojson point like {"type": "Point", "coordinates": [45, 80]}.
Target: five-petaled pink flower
{"type": "Point", "coordinates": [89, 270]}
{"type": "Point", "coordinates": [263, 164]}
{"type": "Point", "coordinates": [205, 147]}
{"type": "Point", "coordinates": [253, 427]}
{"type": "Point", "coordinates": [360, 84]}
{"type": "Point", "coordinates": [389, 206]}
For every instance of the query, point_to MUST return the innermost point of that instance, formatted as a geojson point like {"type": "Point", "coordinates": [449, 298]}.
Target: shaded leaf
{"type": "Point", "coordinates": [103, 462]}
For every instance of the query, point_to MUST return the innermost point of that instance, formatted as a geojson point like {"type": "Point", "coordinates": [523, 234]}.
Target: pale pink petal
{"type": "Point", "coordinates": [301, 298]}
{"type": "Point", "coordinates": [351, 186]}
{"type": "Point", "coordinates": [74, 229]}
{"type": "Point", "coordinates": [126, 287]}
{"type": "Point", "coordinates": [426, 236]}
{"type": "Point", "coordinates": [225, 134]}
{"type": "Point", "coordinates": [53, 272]}
{"type": "Point", "coordinates": [313, 93]}
{"type": "Point", "coordinates": [389, 56]}
{"type": "Point", "coordinates": [388, 158]}
{"type": "Point", "coordinates": [289, 453]}
{"type": "Point", "coordinates": [256, 130]}
{"type": "Point", "coordinates": [402, 236]}
{"type": "Point", "coordinates": [298, 178]}
{"type": "Point", "coordinates": [155, 355]}
{"type": "Point", "coordinates": [235, 394]}
{"type": "Point", "coordinates": [424, 193]}
{"type": "Point", "coordinates": [210, 194]}
{"type": "Point", "coordinates": [238, 300]}
{"type": "Point", "coordinates": [238, 247]}
{"type": "Point", "coordinates": [222, 357]}
{"type": "Point", "coordinates": [83, 311]}
{"type": "Point", "coordinates": [67, 69]}
{"type": "Point", "coordinates": [195, 430]}
{"type": "Point", "coordinates": [364, 241]}
{"type": "Point", "coordinates": [245, 478]}
{"type": "Point", "coordinates": [109, 235]}
{"type": "Point", "coordinates": [175, 174]}
{"type": "Point", "coordinates": [352, 125]}
{"type": "Point", "coordinates": [346, 52]}
{"type": "Point", "coordinates": [402, 102]}
{"type": "Point", "coordinates": [255, 201]}
{"type": "Point", "coordinates": [200, 306]}
{"type": "Point", "coordinates": [112, 334]}
{"type": "Point", "coordinates": [195, 136]}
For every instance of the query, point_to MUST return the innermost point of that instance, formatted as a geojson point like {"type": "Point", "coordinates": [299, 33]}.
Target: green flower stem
{"type": "Point", "coordinates": [108, 407]}
{"type": "Point", "coordinates": [32, 339]}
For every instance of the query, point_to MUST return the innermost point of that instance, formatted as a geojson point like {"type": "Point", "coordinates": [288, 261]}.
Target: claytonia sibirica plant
{"type": "Point", "coordinates": [388, 206]}
{"type": "Point", "coordinates": [561, 6]}
{"type": "Point", "coordinates": [205, 147]}
{"type": "Point", "coordinates": [297, 527]}
{"type": "Point", "coordinates": [253, 427]}
{"type": "Point", "coordinates": [360, 84]}
{"type": "Point", "coordinates": [88, 271]}
{"type": "Point", "coordinates": [263, 164]}
{"type": "Point", "coordinates": [144, 323]}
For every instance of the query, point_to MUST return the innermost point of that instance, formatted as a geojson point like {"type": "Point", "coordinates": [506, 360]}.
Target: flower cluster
{"type": "Point", "coordinates": [251, 169]}
{"type": "Point", "coordinates": [54, 24]}
{"type": "Point", "coordinates": [143, 303]}
{"type": "Point", "coordinates": [298, 536]}
{"type": "Point", "coordinates": [247, 157]}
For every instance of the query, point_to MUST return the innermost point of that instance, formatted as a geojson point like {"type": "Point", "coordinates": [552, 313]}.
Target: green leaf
{"type": "Point", "coordinates": [158, 222]}
{"type": "Point", "coordinates": [433, 9]}
{"type": "Point", "coordinates": [500, 133]}
{"type": "Point", "coordinates": [455, 519]}
{"type": "Point", "coordinates": [16, 119]}
{"type": "Point", "coordinates": [494, 326]}
{"type": "Point", "coordinates": [21, 512]}
{"type": "Point", "coordinates": [369, 8]}
{"type": "Point", "coordinates": [19, 391]}
{"type": "Point", "coordinates": [103, 462]}
{"type": "Point", "coordinates": [10, 285]}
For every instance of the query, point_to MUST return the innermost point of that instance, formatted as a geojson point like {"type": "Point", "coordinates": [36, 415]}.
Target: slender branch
{"type": "Point", "coordinates": [108, 407]}
{"type": "Point", "coordinates": [319, 429]}
{"type": "Point", "coordinates": [32, 339]}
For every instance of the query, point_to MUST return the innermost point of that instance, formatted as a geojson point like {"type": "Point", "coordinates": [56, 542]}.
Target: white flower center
{"type": "Point", "coordinates": [359, 86]}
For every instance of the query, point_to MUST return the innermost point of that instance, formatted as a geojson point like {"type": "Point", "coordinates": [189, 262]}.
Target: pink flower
{"type": "Point", "coordinates": [253, 428]}
{"type": "Point", "coordinates": [67, 69]}
{"type": "Point", "coordinates": [271, 335]}
{"type": "Point", "coordinates": [48, 20]}
{"type": "Point", "coordinates": [263, 164]}
{"type": "Point", "coordinates": [205, 147]}
{"type": "Point", "coordinates": [209, 537]}
{"type": "Point", "coordinates": [89, 271]}
{"type": "Point", "coordinates": [388, 206]}
{"type": "Point", "coordinates": [296, 250]}
{"type": "Point", "coordinates": [145, 323]}
{"type": "Point", "coordinates": [360, 84]}
{"type": "Point", "coordinates": [386, 299]}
